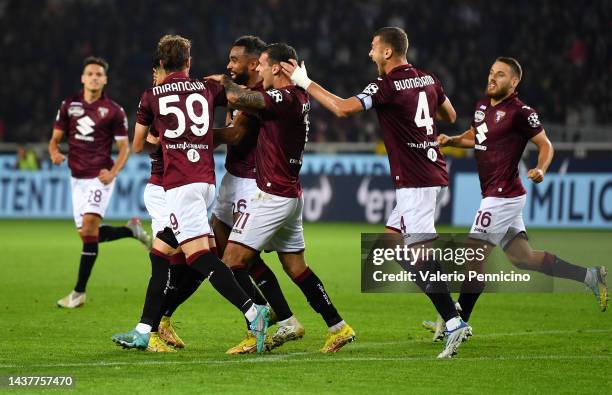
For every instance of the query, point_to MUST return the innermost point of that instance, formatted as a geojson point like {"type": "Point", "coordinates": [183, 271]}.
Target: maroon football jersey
{"type": "Point", "coordinates": [182, 111]}
{"type": "Point", "coordinates": [406, 101]}
{"type": "Point", "coordinates": [91, 128]}
{"type": "Point", "coordinates": [282, 136]}
{"type": "Point", "coordinates": [502, 132]}
{"type": "Point", "coordinates": [157, 162]}
{"type": "Point", "coordinates": [240, 158]}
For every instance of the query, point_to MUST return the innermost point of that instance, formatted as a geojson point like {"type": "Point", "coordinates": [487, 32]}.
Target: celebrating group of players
{"type": "Point", "coordinates": [259, 203]}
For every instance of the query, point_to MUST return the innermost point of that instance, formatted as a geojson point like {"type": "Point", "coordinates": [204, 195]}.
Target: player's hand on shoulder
{"type": "Point", "coordinates": [536, 175]}
{"type": "Point", "coordinates": [57, 158]}
{"type": "Point", "coordinates": [444, 140]}
{"type": "Point", "coordinates": [106, 176]}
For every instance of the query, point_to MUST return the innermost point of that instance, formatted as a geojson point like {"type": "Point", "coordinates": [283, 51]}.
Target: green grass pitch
{"type": "Point", "coordinates": [523, 343]}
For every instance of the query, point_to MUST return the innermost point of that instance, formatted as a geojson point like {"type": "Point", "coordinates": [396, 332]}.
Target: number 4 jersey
{"type": "Point", "coordinates": [406, 101]}
{"type": "Point", "coordinates": [182, 111]}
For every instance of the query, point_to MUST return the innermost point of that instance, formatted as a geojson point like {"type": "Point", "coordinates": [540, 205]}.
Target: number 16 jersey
{"type": "Point", "coordinates": [182, 111]}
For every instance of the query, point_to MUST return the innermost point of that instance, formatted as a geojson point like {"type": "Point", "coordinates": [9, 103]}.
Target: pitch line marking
{"type": "Point", "coordinates": [291, 358]}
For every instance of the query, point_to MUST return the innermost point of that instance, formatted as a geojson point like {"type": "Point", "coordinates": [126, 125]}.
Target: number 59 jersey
{"type": "Point", "coordinates": [406, 101]}
{"type": "Point", "coordinates": [182, 110]}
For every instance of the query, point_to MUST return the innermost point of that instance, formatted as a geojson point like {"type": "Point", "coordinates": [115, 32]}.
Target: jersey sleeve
{"type": "Point", "coordinates": [120, 124]}
{"type": "Point", "coordinates": [373, 95]}
{"type": "Point", "coordinates": [528, 122]}
{"type": "Point", "coordinates": [217, 93]}
{"type": "Point", "coordinates": [62, 120]}
{"type": "Point", "coordinates": [144, 115]}
{"type": "Point", "coordinates": [439, 91]}
{"type": "Point", "coordinates": [276, 101]}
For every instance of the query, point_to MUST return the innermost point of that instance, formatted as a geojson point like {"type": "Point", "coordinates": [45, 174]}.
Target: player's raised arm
{"type": "Point", "coordinates": [464, 140]}
{"type": "Point", "coordinates": [342, 108]}
{"type": "Point", "coordinates": [545, 157]}
{"type": "Point", "coordinates": [54, 152]}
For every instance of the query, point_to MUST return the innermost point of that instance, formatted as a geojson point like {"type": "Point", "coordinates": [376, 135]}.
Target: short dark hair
{"type": "Point", "coordinates": [253, 45]}
{"type": "Point", "coordinates": [280, 52]}
{"type": "Point", "coordinates": [173, 51]}
{"type": "Point", "coordinates": [96, 60]}
{"type": "Point", "coordinates": [513, 63]}
{"type": "Point", "coordinates": [395, 37]}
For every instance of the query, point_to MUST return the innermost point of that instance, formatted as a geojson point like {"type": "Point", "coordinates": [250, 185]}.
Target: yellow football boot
{"type": "Point", "coordinates": [336, 340]}
{"type": "Point", "coordinates": [168, 334]}
{"type": "Point", "coordinates": [158, 345]}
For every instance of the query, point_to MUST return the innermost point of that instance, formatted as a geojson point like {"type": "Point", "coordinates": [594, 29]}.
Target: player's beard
{"type": "Point", "coordinates": [500, 93]}
{"type": "Point", "coordinates": [241, 79]}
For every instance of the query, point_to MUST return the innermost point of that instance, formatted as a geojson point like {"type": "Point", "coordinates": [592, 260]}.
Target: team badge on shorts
{"type": "Point", "coordinates": [499, 115]}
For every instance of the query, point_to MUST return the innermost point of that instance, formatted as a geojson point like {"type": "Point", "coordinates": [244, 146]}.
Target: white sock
{"type": "Point", "coordinates": [251, 313]}
{"type": "Point", "coordinates": [337, 327]}
{"type": "Point", "coordinates": [288, 322]}
{"type": "Point", "coordinates": [453, 323]}
{"type": "Point", "coordinates": [143, 328]}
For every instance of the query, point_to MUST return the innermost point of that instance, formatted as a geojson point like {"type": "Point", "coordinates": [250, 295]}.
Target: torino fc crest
{"type": "Point", "coordinates": [102, 111]}
{"type": "Point", "coordinates": [499, 115]}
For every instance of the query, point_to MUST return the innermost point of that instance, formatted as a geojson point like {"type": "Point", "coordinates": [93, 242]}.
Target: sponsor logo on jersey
{"type": "Point", "coordinates": [481, 131]}
{"type": "Point", "coordinates": [499, 115]}
{"type": "Point", "coordinates": [85, 127]}
{"type": "Point", "coordinates": [479, 116]}
{"type": "Point", "coordinates": [193, 155]}
{"type": "Point", "coordinates": [432, 154]}
{"type": "Point", "coordinates": [275, 95]}
{"type": "Point", "coordinates": [483, 107]}
{"type": "Point", "coordinates": [102, 111]}
{"type": "Point", "coordinates": [76, 110]}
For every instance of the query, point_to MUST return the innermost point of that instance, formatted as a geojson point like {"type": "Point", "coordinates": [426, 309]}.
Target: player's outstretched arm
{"type": "Point", "coordinates": [446, 112]}
{"type": "Point", "coordinates": [107, 176]}
{"type": "Point", "coordinates": [545, 157]}
{"type": "Point", "coordinates": [342, 108]}
{"type": "Point", "coordinates": [465, 140]}
{"type": "Point", "coordinates": [235, 132]}
{"type": "Point", "coordinates": [54, 152]}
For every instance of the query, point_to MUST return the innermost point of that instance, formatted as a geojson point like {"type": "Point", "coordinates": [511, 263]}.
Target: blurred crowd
{"type": "Point", "coordinates": [564, 47]}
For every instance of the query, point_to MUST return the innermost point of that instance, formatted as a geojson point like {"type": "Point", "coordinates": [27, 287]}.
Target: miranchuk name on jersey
{"type": "Point", "coordinates": [182, 110]}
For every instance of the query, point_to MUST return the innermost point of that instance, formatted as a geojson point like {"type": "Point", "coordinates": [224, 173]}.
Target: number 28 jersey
{"type": "Point", "coordinates": [406, 101]}
{"type": "Point", "coordinates": [182, 110]}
